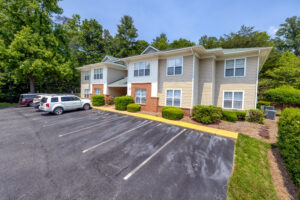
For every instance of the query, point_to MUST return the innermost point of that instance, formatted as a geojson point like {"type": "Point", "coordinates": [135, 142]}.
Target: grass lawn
{"type": "Point", "coordinates": [251, 178]}
{"type": "Point", "coordinates": [5, 104]}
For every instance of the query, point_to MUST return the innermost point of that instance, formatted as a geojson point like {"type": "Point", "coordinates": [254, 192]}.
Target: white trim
{"type": "Point", "coordinates": [234, 67]}
{"type": "Point", "coordinates": [89, 75]}
{"type": "Point", "coordinates": [150, 46]}
{"type": "Point", "coordinates": [100, 73]}
{"type": "Point", "coordinates": [140, 97]}
{"type": "Point", "coordinates": [257, 73]}
{"type": "Point", "coordinates": [173, 96]}
{"type": "Point", "coordinates": [174, 57]}
{"type": "Point", "coordinates": [144, 61]}
{"type": "Point", "coordinates": [193, 82]}
{"type": "Point", "coordinates": [233, 91]}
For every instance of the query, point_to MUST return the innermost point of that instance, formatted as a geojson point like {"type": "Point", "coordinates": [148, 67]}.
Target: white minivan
{"type": "Point", "coordinates": [57, 104]}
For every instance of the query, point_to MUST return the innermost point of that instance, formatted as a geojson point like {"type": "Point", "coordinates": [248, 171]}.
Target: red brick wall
{"type": "Point", "coordinates": [97, 86]}
{"type": "Point", "coordinates": [151, 102]}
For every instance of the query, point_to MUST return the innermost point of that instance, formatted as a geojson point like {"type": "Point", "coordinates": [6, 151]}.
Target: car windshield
{"type": "Point", "coordinates": [44, 100]}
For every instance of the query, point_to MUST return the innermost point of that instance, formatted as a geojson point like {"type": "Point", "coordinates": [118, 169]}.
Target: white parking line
{"type": "Point", "coordinates": [97, 124]}
{"type": "Point", "coordinates": [106, 141]}
{"type": "Point", "coordinates": [150, 157]}
{"type": "Point", "coordinates": [67, 120]}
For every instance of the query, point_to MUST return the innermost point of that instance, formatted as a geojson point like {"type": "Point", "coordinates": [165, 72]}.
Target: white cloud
{"type": "Point", "coordinates": [272, 30]}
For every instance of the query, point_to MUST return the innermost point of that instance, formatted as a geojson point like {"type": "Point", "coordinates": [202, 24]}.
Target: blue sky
{"type": "Point", "coordinates": [188, 19]}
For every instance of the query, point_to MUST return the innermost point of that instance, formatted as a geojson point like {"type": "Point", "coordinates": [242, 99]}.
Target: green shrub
{"type": "Point", "coordinates": [256, 115]}
{"type": "Point", "coordinates": [207, 114]}
{"type": "Point", "coordinates": [262, 103]}
{"type": "Point", "coordinates": [133, 107]}
{"type": "Point", "coordinates": [172, 113]}
{"type": "Point", "coordinates": [289, 141]}
{"type": "Point", "coordinates": [241, 115]}
{"type": "Point", "coordinates": [229, 116]}
{"type": "Point", "coordinates": [284, 95]}
{"type": "Point", "coordinates": [122, 102]}
{"type": "Point", "coordinates": [98, 100]}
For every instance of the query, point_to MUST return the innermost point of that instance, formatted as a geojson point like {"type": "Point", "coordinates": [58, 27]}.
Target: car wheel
{"type": "Point", "coordinates": [86, 106]}
{"type": "Point", "coordinates": [31, 104]}
{"type": "Point", "coordinates": [58, 111]}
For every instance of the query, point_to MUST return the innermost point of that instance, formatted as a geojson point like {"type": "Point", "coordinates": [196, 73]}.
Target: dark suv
{"type": "Point", "coordinates": [27, 99]}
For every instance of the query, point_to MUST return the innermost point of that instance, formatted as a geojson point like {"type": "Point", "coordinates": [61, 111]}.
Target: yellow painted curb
{"type": "Point", "coordinates": [214, 131]}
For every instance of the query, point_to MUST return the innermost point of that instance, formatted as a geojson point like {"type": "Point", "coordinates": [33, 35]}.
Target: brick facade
{"type": "Point", "coordinates": [97, 86]}
{"type": "Point", "coordinates": [151, 102]}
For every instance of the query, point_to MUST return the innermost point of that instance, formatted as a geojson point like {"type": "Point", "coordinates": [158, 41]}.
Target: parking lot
{"type": "Point", "coordinates": [100, 155]}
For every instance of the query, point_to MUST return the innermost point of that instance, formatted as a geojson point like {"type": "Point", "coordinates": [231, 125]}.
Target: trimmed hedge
{"type": "Point", "coordinates": [229, 116]}
{"type": "Point", "coordinates": [284, 95]}
{"type": "Point", "coordinates": [256, 115]}
{"type": "Point", "coordinates": [172, 113]}
{"type": "Point", "coordinates": [122, 102]}
{"type": "Point", "coordinates": [98, 100]}
{"type": "Point", "coordinates": [289, 142]}
{"type": "Point", "coordinates": [133, 107]}
{"type": "Point", "coordinates": [241, 115]}
{"type": "Point", "coordinates": [207, 114]}
{"type": "Point", "coordinates": [262, 103]}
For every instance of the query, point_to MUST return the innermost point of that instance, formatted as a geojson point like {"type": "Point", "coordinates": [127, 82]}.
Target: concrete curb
{"type": "Point", "coordinates": [214, 131]}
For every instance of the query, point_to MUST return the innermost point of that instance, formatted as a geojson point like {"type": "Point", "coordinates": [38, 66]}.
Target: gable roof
{"type": "Point", "coordinates": [108, 58]}
{"type": "Point", "coordinates": [108, 61]}
{"type": "Point", "coordinates": [149, 49]}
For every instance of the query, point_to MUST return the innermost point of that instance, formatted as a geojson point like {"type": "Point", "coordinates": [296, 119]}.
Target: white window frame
{"type": "Point", "coordinates": [98, 72]}
{"type": "Point", "coordinates": [233, 91]}
{"type": "Point", "coordinates": [168, 59]}
{"type": "Point", "coordinates": [140, 97]}
{"type": "Point", "coordinates": [234, 67]}
{"type": "Point", "coordinates": [86, 95]}
{"type": "Point", "coordinates": [97, 89]}
{"type": "Point", "coordinates": [86, 74]}
{"type": "Point", "coordinates": [142, 68]}
{"type": "Point", "coordinates": [173, 96]}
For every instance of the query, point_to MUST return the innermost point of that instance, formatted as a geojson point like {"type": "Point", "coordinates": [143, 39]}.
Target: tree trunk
{"type": "Point", "coordinates": [31, 79]}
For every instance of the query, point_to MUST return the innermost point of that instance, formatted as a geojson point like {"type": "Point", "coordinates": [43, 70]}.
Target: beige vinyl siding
{"type": "Point", "coordinates": [183, 82]}
{"type": "Point", "coordinates": [82, 77]}
{"type": "Point", "coordinates": [206, 81]}
{"type": "Point", "coordinates": [84, 84]}
{"type": "Point", "coordinates": [83, 87]}
{"type": "Point", "coordinates": [114, 75]}
{"type": "Point", "coordinates": [246, 84]}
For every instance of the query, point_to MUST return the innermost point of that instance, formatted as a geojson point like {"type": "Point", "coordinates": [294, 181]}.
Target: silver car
{"type": "Point", "coordinates": [57, 104]}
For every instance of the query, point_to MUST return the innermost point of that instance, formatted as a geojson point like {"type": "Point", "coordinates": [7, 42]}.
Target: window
{"type": "Point", "coordinates": [66, 98]}
{"type": "Point", "coordinates": [174, 66]}
{"type": "Point", "coordinates": [54, 99]}
{"type": "Point", "coordinates": [140, 96]}
{"type": "Point", "coordinates": [173, 98]}
{"type": "Point", "coordinates": [97, 91]}
{"type": "Point", "coordinates": [86, 93]}
{"type": "Point", "coordinates": [233, 100]}
{"type": "Point", "coordinates": [235, 67]}
{"type": "Point", "coordinates": [86, 75]}
{"type": "Point", "coordinates": [98, 74]}
{"type": "Point", "coordinates": [142, 69]}
{"type": "Point", "coordinates": [75, 99]}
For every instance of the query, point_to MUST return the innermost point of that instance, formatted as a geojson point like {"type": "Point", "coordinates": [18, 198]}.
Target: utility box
{"type": "Point", "coordinates": [269, 108]}
{"type": "Point", "coordinates": [270, 114]}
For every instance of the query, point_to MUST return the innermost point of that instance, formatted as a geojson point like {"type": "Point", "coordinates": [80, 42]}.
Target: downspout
{"type": "Point", "coordinates": [193, 82]}
{"type": "Point", "coordinates": [257, 72]}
